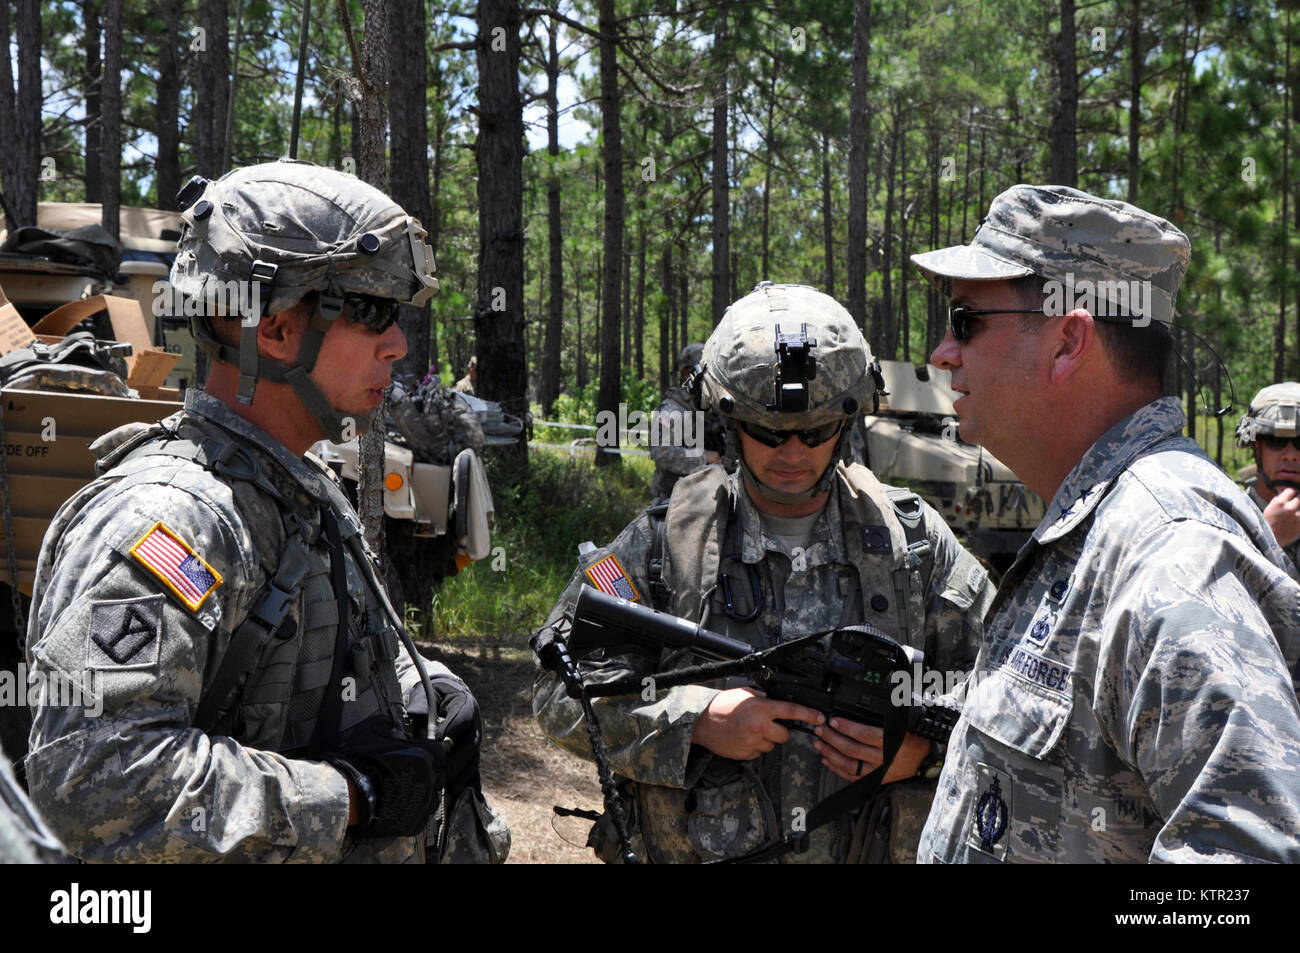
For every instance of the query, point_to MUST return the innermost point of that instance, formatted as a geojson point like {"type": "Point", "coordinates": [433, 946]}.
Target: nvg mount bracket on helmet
{"type": "Point", "coordinates": [795, 368]}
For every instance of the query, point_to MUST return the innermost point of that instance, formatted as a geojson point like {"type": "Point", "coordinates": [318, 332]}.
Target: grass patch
{"type": "Point", "coordinates": [543, 511]}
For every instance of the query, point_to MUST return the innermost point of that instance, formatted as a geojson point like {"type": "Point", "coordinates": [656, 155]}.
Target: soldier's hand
{"type": "Point", "coordinates": [742, 723]}
{"type": "Point", "coordinates": [1283, 516]}
{"type": "Point", "coordinates": [853, 750]}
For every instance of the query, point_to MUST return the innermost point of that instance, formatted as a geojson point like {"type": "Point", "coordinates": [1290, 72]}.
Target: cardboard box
{"type": "Point", "coordinates": [148, 366]}
{"type": "Point", "coordinates": [14, 332]}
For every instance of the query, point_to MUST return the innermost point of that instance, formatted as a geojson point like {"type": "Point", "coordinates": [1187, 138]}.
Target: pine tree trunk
{"type": "Point", "coordinates": [93, 84]}
{"type": "Point", "coordinates": [1063, 134]}
{"type": "Point", "coordinates": [409, 137]}
{"type": "Point", "coordinates": [22, 188]}
{"type": "Point", "coordinates": [1135, 99]}
{"type": "Point", "coordinates": [721, 178]}
{"type": "Point", "coordinates": [666, 314]}
{"type": "Point", "coordinates": [610, 392]}
{"type": "Point", "coordinates": [499, 156]}
{"type": "Point", "coordinates": [372, 167]}
{"type": "Point", "coordinates": [212, 96]}
{"type": "Point", "coordinates": [168, 164]}
{"type": "Point", "coordinates": [828, 232]}
{"type": "Point", "coordinates": [859, 144]}
{"type": "Point", "coordinates": [890, 333]}
{"type": "Point", "coordinates": [550, 382]}
{"type": "Point", "coordinates": [8, 119]}
{"type": "Point", "coordinates": [111, 101]}
{"type": "Point", "coordinates": [640, 303]}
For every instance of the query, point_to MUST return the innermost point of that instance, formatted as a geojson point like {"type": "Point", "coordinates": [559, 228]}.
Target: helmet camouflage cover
{"type": "Point", "coordinates": [1274, 412]}
{"type": "Point", "coordinates": [787, 357]}
{"type": "Point", "coordinates": [279, 231]}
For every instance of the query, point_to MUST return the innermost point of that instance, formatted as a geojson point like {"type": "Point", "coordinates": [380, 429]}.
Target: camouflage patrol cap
{"type": "Point", "coordinates": [690, 355]}
{"type": "Point", "coordinates": [1129, 259]}
{"type": "Point", "coordinates": [1274, 412]}
{"type": "Point", "coordinates": [741, 361]}
{"type": "Point", "coordinates": [321, 229]}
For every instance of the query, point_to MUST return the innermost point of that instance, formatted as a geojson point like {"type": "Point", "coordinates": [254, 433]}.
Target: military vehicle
{"type": "Point", "coordinates": [438, 509]}
{"type": "Point", "coordinates": [913, 441]}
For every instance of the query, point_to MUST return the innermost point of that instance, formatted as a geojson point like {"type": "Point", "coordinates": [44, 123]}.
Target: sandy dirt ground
{"type": "Point", "coordinates": [524, 775]}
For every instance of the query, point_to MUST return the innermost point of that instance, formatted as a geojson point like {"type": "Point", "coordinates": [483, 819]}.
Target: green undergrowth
{"type": "Point", "coordinates": [543, 511]}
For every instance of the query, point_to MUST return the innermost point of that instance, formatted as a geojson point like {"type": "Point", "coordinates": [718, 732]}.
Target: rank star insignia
{"type": "Point", "coordinates": [177, 566]}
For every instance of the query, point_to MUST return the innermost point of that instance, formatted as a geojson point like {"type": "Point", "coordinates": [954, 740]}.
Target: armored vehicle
{"type": "Point", "coordinates": [913, 441]}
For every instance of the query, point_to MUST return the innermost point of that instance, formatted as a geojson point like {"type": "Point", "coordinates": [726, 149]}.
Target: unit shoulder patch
{"type": "Point", "coordinates": [183, 571]}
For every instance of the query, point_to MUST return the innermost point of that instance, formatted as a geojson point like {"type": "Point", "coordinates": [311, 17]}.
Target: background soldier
{"type": "Point", "coordinates": [794, 542]}
{"type": "Point", "coordinates": [673, 456]}
{"type": "Point", "coordinates": [1130, 701]}
{"type": "Point", "coordinates": [466, 384]}
{"type": "Point", "coordinates": [214, 587]}
{"type": "Point", "coordinates": [1270, 427]}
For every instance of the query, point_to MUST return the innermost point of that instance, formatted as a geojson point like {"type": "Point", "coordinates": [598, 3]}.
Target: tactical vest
{"type": "Point", "coordinates": [694, 537]}
{"type": "Point", "coordinates": [690, 533]}
{"type": "Point", "coordinates": [267, 687]}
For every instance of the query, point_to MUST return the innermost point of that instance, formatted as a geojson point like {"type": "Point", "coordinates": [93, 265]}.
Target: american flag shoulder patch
{"type": "Point", "coordinates": [176, 565]}
{"type": "Point", "coordinates": [608, 576]}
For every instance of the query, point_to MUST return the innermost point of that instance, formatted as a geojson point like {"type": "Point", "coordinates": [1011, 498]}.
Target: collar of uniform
{"type": "Point", "coordinates": [1252, 491]}
{"type": "Point", "coordinates": [1107, 459]}
{"type": "Point", "coordinates": [754, 549]}
{"type": "Point", "coordinates": [204, 405]}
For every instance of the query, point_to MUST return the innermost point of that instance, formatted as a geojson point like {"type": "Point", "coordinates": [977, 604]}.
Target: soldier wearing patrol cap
{"type": "Point", "coordinates": [678, 447]}
{"type": "Point", "coordinates": [213, 592]}
{"type": "Point", "coordinates": [1270, 428]}
{"type": "Point", "coordinates": [1133, 700]}
{"type": "Point", "coordinates": [795, 541]}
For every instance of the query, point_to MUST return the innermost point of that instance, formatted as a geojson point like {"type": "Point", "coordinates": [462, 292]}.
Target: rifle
{"type": "Point", "coordinates": [849, 672]}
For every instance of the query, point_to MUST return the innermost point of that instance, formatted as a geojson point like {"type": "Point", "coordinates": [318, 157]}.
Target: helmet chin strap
{"type": "Point", "coordinates": [780, 496]}
{"type": "Point", "coordinates": [337, 427]}
{"type": "Point", "coordinates": [1273, 485]}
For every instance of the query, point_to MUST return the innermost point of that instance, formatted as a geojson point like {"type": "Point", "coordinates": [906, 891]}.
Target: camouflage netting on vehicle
{"type": "Point", "coordinates": [435, 423]}
{"type": "Point", "coordinates": [79, 363]}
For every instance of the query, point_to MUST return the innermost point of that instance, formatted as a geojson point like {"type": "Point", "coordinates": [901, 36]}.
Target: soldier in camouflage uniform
{"type": "Point", "coordinates": [24, 838]}
{"type": "Point", "coordinates": [466, 384]}
{"type": "Point", "coordinates": [1133, 700]}
{"type": "Point", "coordinates": [1270, 428]}
{"type": "Point", "coordinates": [674, 456]}
{"type": "Point", "coordinates": [796, 541]}
{"type": "Point", "coordinates": [213, 590]}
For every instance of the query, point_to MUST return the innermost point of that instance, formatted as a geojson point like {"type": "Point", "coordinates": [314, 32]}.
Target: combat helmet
{"type": "Point", "coordinates": [1274, 412]}
{"type": "Point", "coordinates": [690, 356]}
{"type": "Point", "coordinates": [278, 232]}
{"type": "Point", "coordinates": [787, 357]}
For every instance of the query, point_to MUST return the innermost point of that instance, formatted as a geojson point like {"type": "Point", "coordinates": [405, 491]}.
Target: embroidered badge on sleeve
{"type": "Point", "coordinates": [174, 562]}
{"type": "Point", "coordinates": [608, 576]}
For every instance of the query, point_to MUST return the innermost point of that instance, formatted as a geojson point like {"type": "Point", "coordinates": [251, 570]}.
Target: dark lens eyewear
{"type": "Point", "coordinates": [378, 314]}
{"type": "Point", "coordinates": [962, 319]}
{"type": "Point", "coordinates": [1280, 443]}
{"type": "Point", "coordinates": [812, 437]}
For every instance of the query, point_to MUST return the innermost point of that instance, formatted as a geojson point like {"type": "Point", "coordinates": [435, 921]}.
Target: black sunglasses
{"type": "Point", "coordinates": [962, 319]}
{"type": "Point", "coordinates": [378, 314]}
{"type": "Point", "coordinates": [812, 437]}
{"type": "Point", "coordinates": [1279, 443]}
